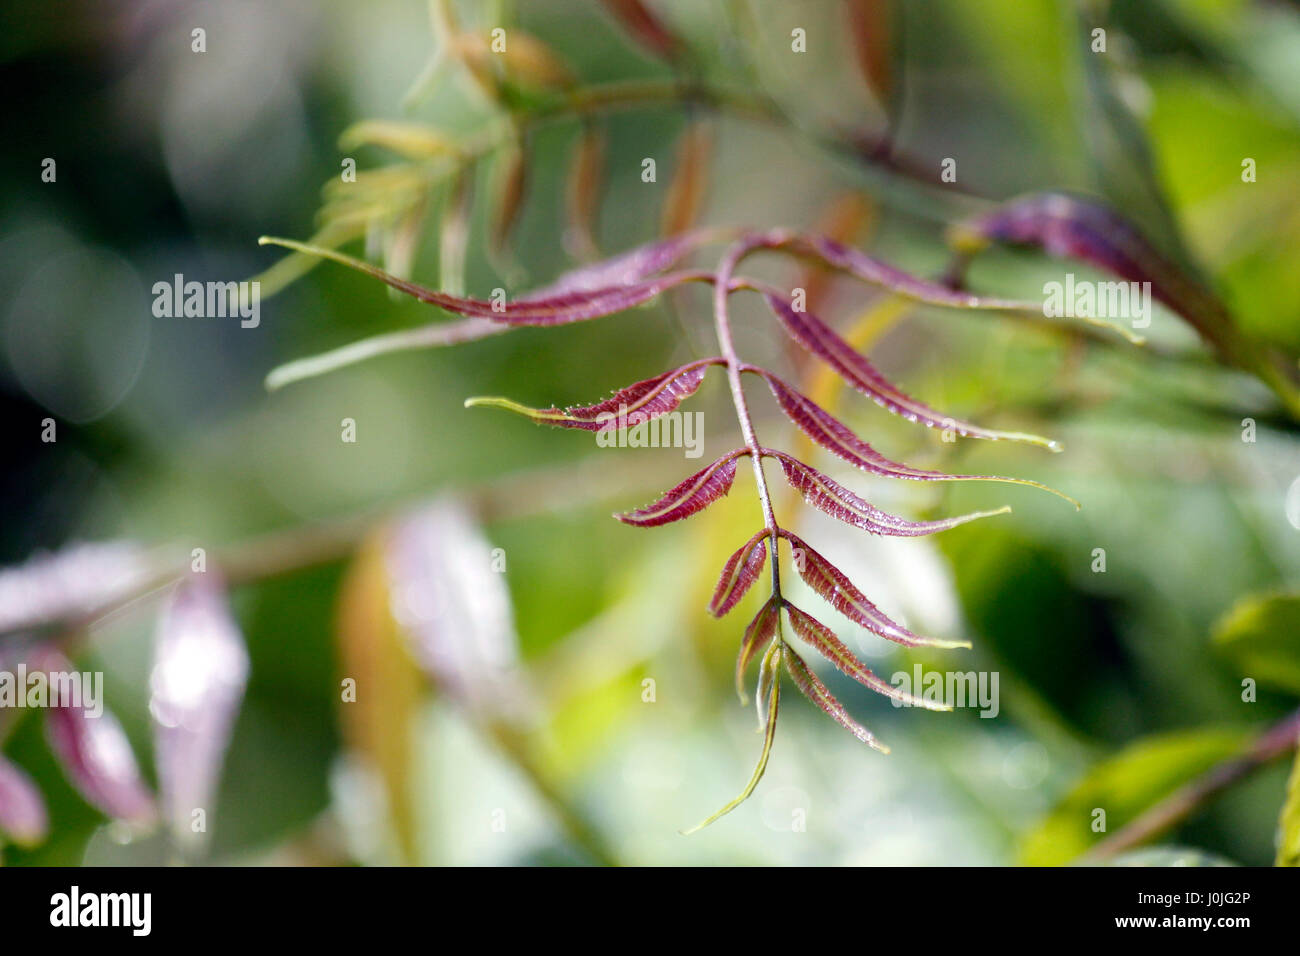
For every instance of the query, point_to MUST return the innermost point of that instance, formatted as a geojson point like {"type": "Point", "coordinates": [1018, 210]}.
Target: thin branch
{"type": "Point", "coordinates": [1277, 741]}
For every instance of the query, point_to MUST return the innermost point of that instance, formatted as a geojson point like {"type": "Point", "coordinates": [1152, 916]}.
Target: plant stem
{"type": "Point", "coordinates": [1273, 743]}
{"type": "Point", "coordinates": [721, 290]}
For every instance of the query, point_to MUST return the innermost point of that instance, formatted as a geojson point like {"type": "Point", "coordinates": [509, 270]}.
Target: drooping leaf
{"type": "Point", "coordinates": [739, 574]}
{"type": "Point", "coordinates": [837, 438]}
{"type": "Point", "coordinates": [820, 339]}
{"type": "Point", "coordinates": [22, 810]}
{"type": "Point", "coordinates": [1261, 636]}
{"type": "Point", "coordinates": [771, 665]}
{"type": "Point", "coordinates": [816, 691]}
{"type": "Point", "coordinates": [830, 496]}
{"type": "Point", "coordinates": [694, 494]}
{"type": "Point", "coordinates": [838, 591]}
{"type": "Point", "coordinates": [686, 190]}
{"type": "Point", "coordinates": [758, 635]}
{"type": "Point", "coordinates": [625, 269]}
{"type": "Point", "coordinates": [200, 668]}
{"type": "Point", "coordinates": [93, 750]}
{"type": "Point", "coordinates": [1074, 227]}
{"type": "Point", "coordinates": [630, 406]}
{"type": "Point", "coordinates": [820, 638]}
{"type": "Point", "coordinates": [645, 27]}
{"type": "Point", "coordinates": [555, 308]}
{"type": "Point", "coordinates": [70, 583]}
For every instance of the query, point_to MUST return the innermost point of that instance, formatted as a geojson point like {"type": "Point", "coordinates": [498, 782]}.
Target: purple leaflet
{"type": "Point", "coordinates": [837, 501]}
{"type": "Point", "coordinates": [200, 669]}
{"type": "Point", "coordinates": [555, 309]}
{"type": "Point", "coordinates": [694, 494]}
{"type": "Point", "coordinates": [96, 754]}
{"type": "Point", "coordinates": [628, 407]}
{"type": "Point", "coordinates": [819, 637]}
{"type": "Point", "coordinates": [22, 811]}
{"type": "Point", "coordinates": [838, 591]}
{"type": "Point", "coordinates": [877, 272]}
{"type": "Point", "coordinates": [75, 581]}
{"type": "Point", "coordinates": [820, 339]}
{"type": "Point", "coordinates": [836, 437]}
{"type": "Point", "coordinates": [816, 691]}
{"type": "Point", "coordinates": [739, 574]}
{"type": "Point", "coordinates": [1074, 227]}
{"type": "Point", "coordinates": [625, 269]}
{"type": "Point", "coordinates": [758, 635]}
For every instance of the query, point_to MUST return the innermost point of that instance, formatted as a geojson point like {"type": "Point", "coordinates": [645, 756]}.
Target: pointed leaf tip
{"type": "Point", "coordinates": [812, 687]}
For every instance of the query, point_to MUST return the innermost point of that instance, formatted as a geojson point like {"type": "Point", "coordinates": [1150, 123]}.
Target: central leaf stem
{"type": "Point", "coordinates": [721, 290]}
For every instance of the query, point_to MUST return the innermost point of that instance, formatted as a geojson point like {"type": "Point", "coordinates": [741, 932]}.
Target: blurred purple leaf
{"type": "Point", "coordinates": [694, 494]}
{"type": "Point", "coordinates": [96, 756]}
{"type": "Point", "coordinates": [739, 574]}
{"type": "Point", "coordinates": [22, 811]}
{"type": "Point", "coordinates": [837, 501]}
{"type": "Point", "coordinates": [626, 269]}
{"type": "Point", "coordinates": [73, 582]}
{"type": "Point", "coordinates": [200, 669]}
{"type": "Point", "coordinates": [627, 407]}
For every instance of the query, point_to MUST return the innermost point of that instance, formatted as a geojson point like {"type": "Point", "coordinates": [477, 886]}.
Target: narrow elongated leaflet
{"type": "Point", "coordinates": [832, 584]}
{"type": "Point", "coordinates": [1075, 227]}
{"type": "Point", "coordinates": [837, 501]}
{"type": "Point", "coordinates": [556, 308]}
{"type": "Point", "coordinates": [739, 574]}
{"type": "Point", "coordinates": [626, 269]}
{"type": "Point", "coordinates": [694, 494]}
{"type": "Point", "coordinates": [758, 635]}
{"type": "Point", "coordinates": [837, 438]}
{"type": "Point", "coordinates": [820, 339]}
{"type": "Point", "coordinates": [629, 406]}
{"type": "Point", "coordinates": [769, 674]}
{"type": "Point", "coordinates": [818, 636]}
{"type": "Point", "coordinates": [772, 662]}
{"type": "Point", "coordinates": [816, 691]}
